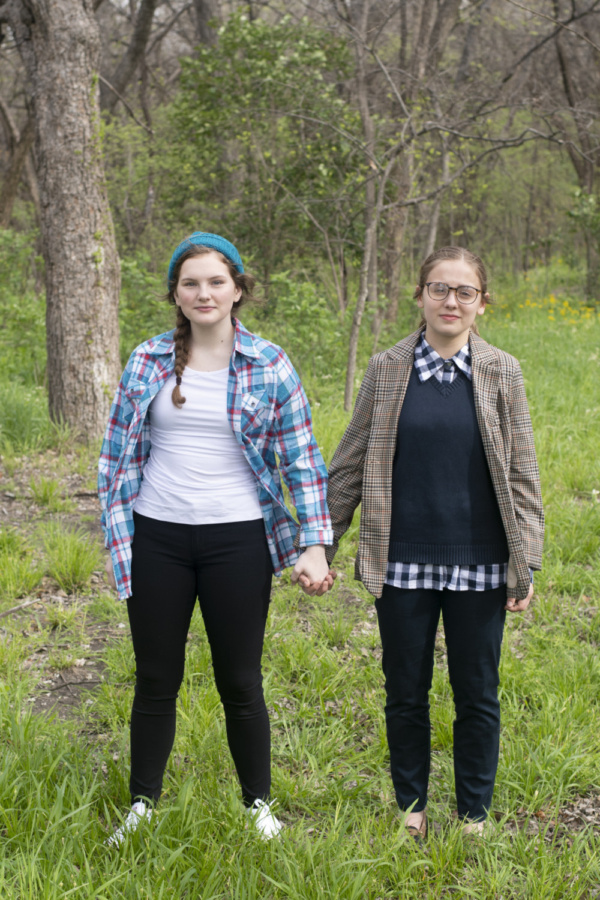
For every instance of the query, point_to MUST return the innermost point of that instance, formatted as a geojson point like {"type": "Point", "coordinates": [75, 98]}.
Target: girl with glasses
{"type": "Point", "coordinates": [440, 454]}
{"type": "Point", "coordinates": [193, 510]}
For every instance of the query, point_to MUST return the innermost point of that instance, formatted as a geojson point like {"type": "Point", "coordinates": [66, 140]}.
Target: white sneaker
{"type": "Point", "coordinates": [136, 815]}
{"type": "Point", "coordinates": [263, 820]}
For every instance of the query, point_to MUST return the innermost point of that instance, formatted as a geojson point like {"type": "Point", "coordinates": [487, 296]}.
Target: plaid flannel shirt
{"type": "Point", "coordinates": [269, 414]}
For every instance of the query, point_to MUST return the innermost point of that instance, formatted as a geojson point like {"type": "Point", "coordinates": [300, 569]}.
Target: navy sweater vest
{"type": "Point", "coordinates": [444, 509]}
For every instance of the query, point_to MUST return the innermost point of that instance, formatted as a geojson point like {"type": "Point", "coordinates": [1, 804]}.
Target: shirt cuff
{"type": "Point", "coordinates": [322, 536]}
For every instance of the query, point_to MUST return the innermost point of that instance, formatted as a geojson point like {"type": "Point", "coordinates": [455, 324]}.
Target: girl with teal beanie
{"type": "Point", "coordinates": [206, 420]}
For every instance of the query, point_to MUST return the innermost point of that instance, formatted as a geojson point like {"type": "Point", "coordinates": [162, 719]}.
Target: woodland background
{"type": "Point", "coordinates": [335, 143]}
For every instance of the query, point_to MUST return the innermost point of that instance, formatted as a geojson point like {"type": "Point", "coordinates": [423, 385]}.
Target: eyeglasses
{"type": "Point", "coordinates": [464, 293]}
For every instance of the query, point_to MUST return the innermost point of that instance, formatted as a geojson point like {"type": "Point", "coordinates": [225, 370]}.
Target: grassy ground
{"type": "Point", "coordinates": [63, 780]}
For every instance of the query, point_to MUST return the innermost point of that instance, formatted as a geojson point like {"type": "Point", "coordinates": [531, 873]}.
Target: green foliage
{"type": "Point", "coordinates": [71, 556]}
{"type": "Point", "coordinates": [18, 577]}
{"type": "Point", "coordinates": [299, 318]}
{"type": "Point", "coordinates": [142, 311]}
{"type": "Point", "coordinates": [141, 171]}
{"type": "Point", "coordinates": [24, 421]}
{"type": "Point", "coordinates": [586, 213]}
{"type": "Point", "coordinates": [60, 618]}
{"type": "Point", "coordinates": [12, 542]}
{"type": "Point", "coordinates": [22, 309]}
{"type": "Point", "coordinates": [512, 209]}
{"type": "Point", "coordinates": [262, 136]}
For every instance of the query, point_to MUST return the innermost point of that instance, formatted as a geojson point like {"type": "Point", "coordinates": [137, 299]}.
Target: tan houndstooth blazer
{"type": "Point", "coordinates": [361, 469]}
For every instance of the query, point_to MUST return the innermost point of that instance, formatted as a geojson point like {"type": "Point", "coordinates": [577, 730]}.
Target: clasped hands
{"type": "Point", "coordinates": [312, 572]}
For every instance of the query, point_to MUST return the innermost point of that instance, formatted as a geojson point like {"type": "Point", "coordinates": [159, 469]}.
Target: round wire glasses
{"type": "Point", "coordinates": [464, 293]}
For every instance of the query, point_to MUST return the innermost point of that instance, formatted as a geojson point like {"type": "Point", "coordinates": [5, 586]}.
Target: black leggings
{"type": "Point", "coordinates": [228, 568]}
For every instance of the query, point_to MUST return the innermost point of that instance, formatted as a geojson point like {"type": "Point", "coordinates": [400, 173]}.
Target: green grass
{"type": "Point", "coordinates": [48, 492]}
{"type": "Point", "coordinates": [19, 574]}
{"type": "Point", "coordinates": [71, 556]}
{"type": "Point", "coordinates": [24, 421]}
{"type": "Point", "coordinates": [63, 785]}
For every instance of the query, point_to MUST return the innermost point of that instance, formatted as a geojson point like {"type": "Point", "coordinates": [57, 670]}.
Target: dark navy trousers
{"type": "Point", "coordinates": [473, 626]}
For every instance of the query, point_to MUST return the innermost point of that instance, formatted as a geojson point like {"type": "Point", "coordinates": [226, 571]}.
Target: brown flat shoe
{"type": "Point", "coordinates": [475, 829]}
{"type": "Point", "coordinates": [418, 834]}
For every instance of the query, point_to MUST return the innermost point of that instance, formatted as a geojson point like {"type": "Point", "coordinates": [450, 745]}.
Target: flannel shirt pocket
{"type": "Point", "coordinates": [256, 411]}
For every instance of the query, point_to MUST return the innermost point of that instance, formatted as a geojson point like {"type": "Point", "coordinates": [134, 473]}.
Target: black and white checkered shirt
{"type": "Point", "coordinates": [409, 576]}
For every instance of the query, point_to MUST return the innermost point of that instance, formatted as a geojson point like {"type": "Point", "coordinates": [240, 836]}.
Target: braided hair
{"type": "Point", "coordinates": [181, 337]}
{"type": "Point", "coordinates": [183, 330]}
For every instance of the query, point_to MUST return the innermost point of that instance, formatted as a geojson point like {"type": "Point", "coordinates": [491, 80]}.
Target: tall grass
{"type": "Point", "coordinates": [19, 574]}
{"type": "Point", "coordinates": [25, 424]}
{"type": "Point", "coordinates": [71, 555]}
{"type": "Point", "coordinates": [63, 786]}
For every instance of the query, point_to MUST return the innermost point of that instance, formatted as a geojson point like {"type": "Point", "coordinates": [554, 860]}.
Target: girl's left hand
{"type": "Point", "coordinates": [513, 605]}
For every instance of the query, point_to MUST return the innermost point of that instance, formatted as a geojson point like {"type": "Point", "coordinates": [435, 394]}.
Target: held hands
{"type": "Point", "coordinates": [312, 572]}
{"type": "Point", "coordinates": [513, 605]}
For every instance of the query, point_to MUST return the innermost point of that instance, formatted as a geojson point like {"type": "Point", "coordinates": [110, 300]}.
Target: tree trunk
{"type": "Point", "coordinates": [395, 234]}
{"type": "Point", "coordinates": [372, 178]}
{"type": "Point", "coordinates": [358, 314]}
{"type": "Point", "coordinates": [206, 11]}
{"type": "Point", "coordinates": [434, 221]}
{"type": "Point", "coordinates": [592, 258]}
{"type": "Point", "coordinates": [59, 45]}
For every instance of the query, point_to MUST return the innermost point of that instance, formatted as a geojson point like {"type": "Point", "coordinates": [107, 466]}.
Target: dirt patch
{"type": "Point", "coordinates": [576, 816]}
{"type": "Point", "coordinates": [68, 663]}
{"type": "Point", "coordinates": [67, 643]}
{"type": "Point", "coordinates": [75, 475]}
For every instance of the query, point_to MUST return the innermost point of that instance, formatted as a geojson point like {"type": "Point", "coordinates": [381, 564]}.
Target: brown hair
{"type": "Point", "coordinates": [242, 280]}
{"type": "Point", "coordinates": [449, 253]}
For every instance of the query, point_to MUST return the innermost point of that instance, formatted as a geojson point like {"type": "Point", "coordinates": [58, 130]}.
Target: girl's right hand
{"type": "Point", "coordinates": [110, 575]}
{"type": "Point", "coordinates": [317, 589]}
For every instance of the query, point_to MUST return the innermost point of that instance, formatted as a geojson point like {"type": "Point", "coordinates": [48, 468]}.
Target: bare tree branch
{"type": "Point", "coordinates": [125, 104]}
{"type": "Point", "coordinates": [564, 26]}
{"type": "Point", "coordinates": [167, 27]}
{"type": "Point", "coordinates": [502, 145]}
{"type": "Point", "coordinates": [575, 17]}
{"type": "Point", "coordinates": [131, 58]}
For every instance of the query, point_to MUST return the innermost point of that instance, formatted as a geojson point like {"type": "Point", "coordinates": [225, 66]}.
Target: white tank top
{"type": "Point", "coordinates": [196, 472]}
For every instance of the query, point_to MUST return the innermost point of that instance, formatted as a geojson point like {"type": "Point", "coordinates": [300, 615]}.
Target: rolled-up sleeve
{"type": "Point", "coordinates": [300, 461]}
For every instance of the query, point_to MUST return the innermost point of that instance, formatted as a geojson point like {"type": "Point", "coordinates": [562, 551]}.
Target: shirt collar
{"type": "Point", "coordinates": [244, 342]}
{"type": "Point", "coordinates": [428, 361]}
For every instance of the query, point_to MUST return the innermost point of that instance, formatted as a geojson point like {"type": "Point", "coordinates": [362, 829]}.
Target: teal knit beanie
{"type": "Point", "coordinates": [205, 239]}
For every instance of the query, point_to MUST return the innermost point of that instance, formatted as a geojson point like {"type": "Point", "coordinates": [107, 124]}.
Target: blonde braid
{"type": "Point", "coordinates": [182, 349]}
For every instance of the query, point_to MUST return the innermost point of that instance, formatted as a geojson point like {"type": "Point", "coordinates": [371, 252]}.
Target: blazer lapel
{"type": "Point", "coordinates": [393, 377]}
{"type": "Point", "coordinates": [393, 371]}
